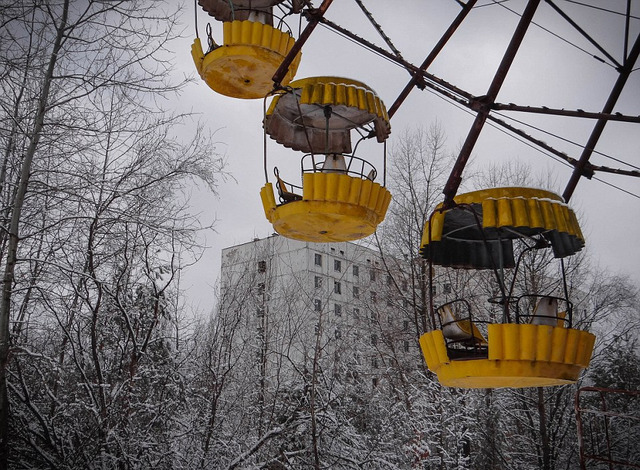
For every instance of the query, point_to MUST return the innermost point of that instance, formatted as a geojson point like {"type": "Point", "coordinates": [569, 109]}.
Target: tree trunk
{"type": "Point", "coordinates": [12, 249]}
{"type": "Point", "coordinates": [544, 436]}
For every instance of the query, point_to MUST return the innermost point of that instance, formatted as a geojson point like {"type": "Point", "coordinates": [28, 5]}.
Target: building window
{"type": "Point", "coordinates": [318, 281]}
{"type": "Point", "coordinates": [338, 309]}
{"type": "Point", "coordinates": [317, 259]}
{"type": "Point", "coordinates": [356, 292]}
{"type": "Point", "coordinates": [356, 270]}
{"type": "Point", "coordinates": [262, 266]}
{"type": "Point", "coordinates": [405, 325]}
{"type": "Point", "coordinates": [406, 346]}
{"type": "Point", "coordinates": [356, 312]}
{"type": "Point", "coordinates": [374, 362]}
{"type": "Point", "coordinates": [405, 303]}
{"type": "Point", "coordinates": [446, 289]}
{"type": "Point", "coordinates": [261, 288]}
{"type": "Point", "coordinates": [433, 291]}
{"type": "Point", "coordinates": [260, 311]}
{"type": "Point", "coordinates": [337, 287]}
{"type": "Point", "coordinates": [372, 275]}
{"type": "Point", "coordinates": [405, 286]}
{"type": "Point", "coordinates": [374, 381]}
{"type": "Point", "coordinates": [317, 305]}
{"type": "Point", "coordinates": [337, 265]}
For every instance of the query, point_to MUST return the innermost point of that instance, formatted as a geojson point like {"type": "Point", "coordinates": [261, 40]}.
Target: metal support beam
{"type": "Point", "coordinates": [590, 146]}
{"type": "Point", "coordinates": [483, 104]}
{"type": "Point", "coordinates": [315, 16]}
{"type": "Point", "coordinates": [584, 33]}
{"type": "Point", "coordinates": [414, 69]}
{"type": "Point", "coordinates": [423, 79]}
{"type": "Point", "coordinates": [418, 78]}
{"type": "Point", "coordinates": [580, 113]}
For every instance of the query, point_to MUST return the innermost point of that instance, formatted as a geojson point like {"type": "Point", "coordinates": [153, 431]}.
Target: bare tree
{"type": "Point", "coordinates": [419, 165]}
{"type": "Point", "coordinates": [94, 231]}
{"type": "Point", "coordinates": [515, 429]}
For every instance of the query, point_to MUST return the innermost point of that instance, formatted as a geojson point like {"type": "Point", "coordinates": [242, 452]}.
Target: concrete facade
{"type": "Point", "coordinates": [341, 301]}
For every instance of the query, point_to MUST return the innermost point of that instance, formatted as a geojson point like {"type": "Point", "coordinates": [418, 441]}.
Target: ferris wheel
{"type": "Point", "coordinates": [532, 338]}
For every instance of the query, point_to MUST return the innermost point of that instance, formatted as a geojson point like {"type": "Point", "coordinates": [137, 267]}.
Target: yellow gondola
{"type": "Point", "coordinates": [251, 52]}
{"type": "Point", "coordinates": [339, 199]}
{"type": "Point", "coordinates": [530, 347]}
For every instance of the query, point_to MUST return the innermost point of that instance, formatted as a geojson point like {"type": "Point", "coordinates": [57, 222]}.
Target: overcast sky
{"type": "Point", "coordinates": [554, 68]}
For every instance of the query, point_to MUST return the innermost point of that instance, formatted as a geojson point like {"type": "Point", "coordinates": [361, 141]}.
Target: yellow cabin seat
{"type": "Point", "coordinates": [519, 355]}
{"type": "Point", "coordinates": [546, 312]}
{"type": "Point", "coordinates": [459, 330]}
{"type": "Point", "coordinates": [243, 66]}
